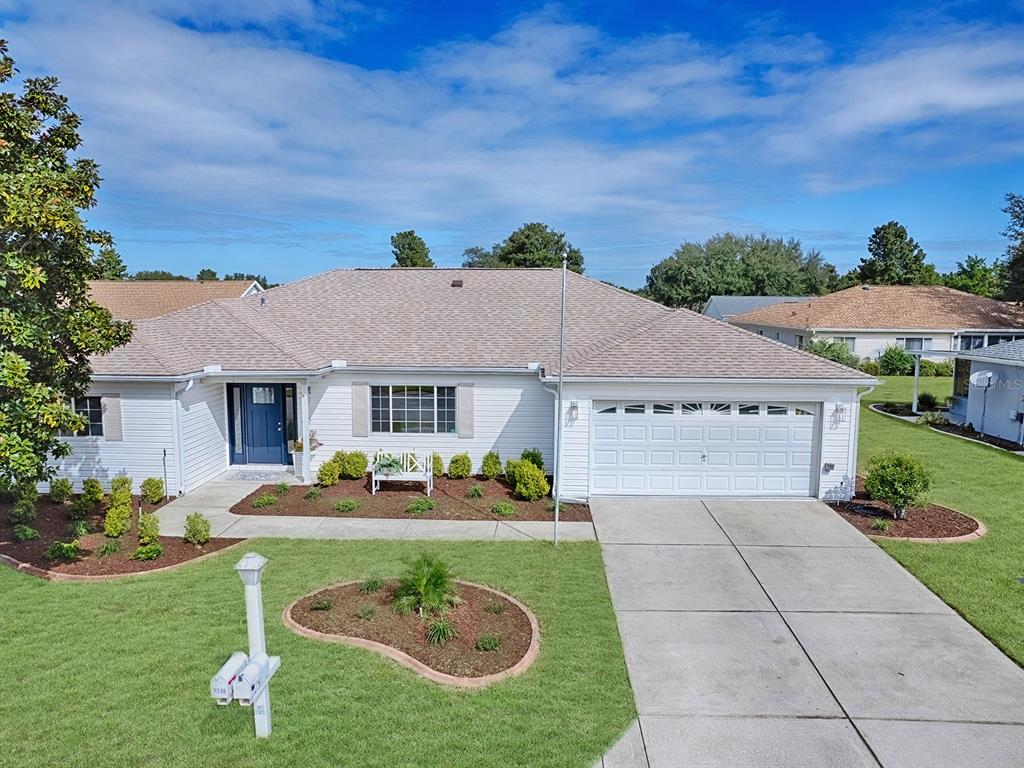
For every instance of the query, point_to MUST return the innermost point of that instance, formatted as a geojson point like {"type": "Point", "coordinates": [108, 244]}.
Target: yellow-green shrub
{"type": "Point", "coordinates": [438, 465]}
{"type": "Point", "coordinates": [149, 529]}
{"type": "Point", "coordinates": [117, 520]}
{"type": "Point", "coordinates": [152, 490]}
{"type": "Point", "coordinates": [491, 465]}
{"type": "Point", "coordinates": [460, 466]}
{"type": "Point", "coordinates": [530, 483]}
{"type": "Point", "coordinates": [353, 465]}
{"type": "Point", "coordinates": [92, 491]}
{"type": "Point", "coordinates": [328, 473]}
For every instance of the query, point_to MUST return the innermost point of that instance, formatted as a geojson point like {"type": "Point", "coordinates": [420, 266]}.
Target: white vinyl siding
{"type": "Point", "coordinates": [510, 413]}
{"type": "Point", "coordinates": [204, 432]}
{"type": "Point", "coordinates": [146, 417]}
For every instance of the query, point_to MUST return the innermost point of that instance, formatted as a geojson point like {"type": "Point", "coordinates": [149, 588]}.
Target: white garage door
{"type": "Point", "coordinates": [705, 448]}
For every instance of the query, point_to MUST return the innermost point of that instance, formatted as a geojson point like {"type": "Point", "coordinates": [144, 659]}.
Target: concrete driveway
{"type": "Point", "coordinates": [772, 633]}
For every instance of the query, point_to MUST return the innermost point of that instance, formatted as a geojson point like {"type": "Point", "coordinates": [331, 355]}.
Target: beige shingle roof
{"type": "Point", "coordinates": [138, 299]}
{"type": "Point", "coordinates": [498, 319]}
{"type": "Point", "coordinates": [890, 307]}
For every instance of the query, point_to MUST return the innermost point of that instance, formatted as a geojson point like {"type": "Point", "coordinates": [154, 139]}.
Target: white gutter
{"type": "Point", "coordinates": [179, 442]}
{"type": "Point", "coordinates": [855, 436]}
{"type": "Point", "coordinates": [222, 374]}
{"type": "Point", "coordinates": [676, 380]}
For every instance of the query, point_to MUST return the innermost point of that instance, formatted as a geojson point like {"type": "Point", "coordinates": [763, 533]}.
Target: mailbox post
{"type": "Point", "coordinates": [246, 678]}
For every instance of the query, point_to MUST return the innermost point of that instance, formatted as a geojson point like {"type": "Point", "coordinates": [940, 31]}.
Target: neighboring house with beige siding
{"type": "Point", "coordinates": [870, 318]}
{"type": "Point", "coordinates": [656, 400]}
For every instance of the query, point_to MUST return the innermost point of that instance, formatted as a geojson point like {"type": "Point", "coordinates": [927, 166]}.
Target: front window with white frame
{"type": "Point", "coordinates": [849, 341]}
{"type": "Point", "coordinates": [915, 343]}
{"type": "Point", "coordinates": [415, 408]}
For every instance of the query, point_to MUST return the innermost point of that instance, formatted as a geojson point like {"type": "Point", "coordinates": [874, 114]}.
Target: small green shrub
{"type": "Point", "coordinates": [345, 505]}
{"type": "Point", "coordinates": [149, 529]}
{"type": "Point", "coordinates": [437, 465]}
{"type": "Point", "coordinates": [832, 349]}
{"type": "Point", "coordinates": [898, 479]}
{"type": "Point", "coordinates": [81, 508]}
{"type": "Point", "coordinates": [25, 533]}
{"type": "Point", "coordinates": [152, 490]}
{"type": "Point", "coordinates": [110, 547]}
{"type": "Point", "coordinates": [365, 612]}
{"type": "Point", "coordinates": [320, 605]}
{"type": "Point", "coordinates": [313, 494]}
{"type": "Point", "coordinates": [512, 470]}
{"type": "Point", "coordinates": [146, 552]}
{"type": "Point", "coordinates": [265, 500]}
{"type": "Point", "coordinates": [353, 466]}
{"type": "Point", "coordinates": [440, 631]}
{"type": "Point", "coordinates": [497, 607]}
{"type": "Point", "coordinates": [881, 524]}
{"type": "Point", "coordinates": [943, 368]}
{"type": "Point", "coordinates": [488, 642]}
{"type": "Point", "coordinates": [926, 401]}
{"type": "Point", "coordinates": [535, 457]}
{"type": "Point", "coordinates": [420, 506]}
{"type": "Point", "coordinates": [197, 529]}
{"type": "Point", "coordinates": [927, 367]}
{"type": "Point", "coordinates": [22, 512]}
{"type": "Point", "coordinates": [63, 550]}
{"type": "Point", "coordinates": [117, 521]}
{"type": "Point", "coordinates": [504, 509]}
{"type": "Point", "coordinates": [870, 367]}
{"type": "Point", "coordinates": [932, 418]}
{"type": "Point", "coordinates": [530, 483]}
{"type": "Point", "coordinates": [475, 492]}
{"type": "Point", "coordinates": [371, 586]}
{"type": "Point", "coordinates": [328, 474]}
{"type": "Point", "coordinates": [121, 483]}
{"type": "Point", "coordinates": [490, 467]}
{"type": "Point", "coordinates": [895, 361]}
{"type": "Point", "coordinates": [460, 466]}
{"type": "Point", "coordinates": [78, 529]}
{"type": "Point", "coordinates": [427, 586]}
{"type": "Point", "coordinates": [60, 490]}
{"type": "Point", "coordinates": [282, 489]}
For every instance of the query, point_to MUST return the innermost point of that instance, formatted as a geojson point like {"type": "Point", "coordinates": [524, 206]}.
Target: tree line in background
{"type": "Point", "coordinates": [113, 268]}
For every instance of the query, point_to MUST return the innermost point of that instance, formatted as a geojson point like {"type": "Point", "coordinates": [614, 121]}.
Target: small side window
{"type": "Point", "coordinates": [799, 410]}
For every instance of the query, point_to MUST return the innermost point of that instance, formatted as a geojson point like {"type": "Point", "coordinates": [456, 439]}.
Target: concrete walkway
{"type": "Point", "coordinates": [772, 633]}
{"type": "Point", "coordinates": [216, 497]}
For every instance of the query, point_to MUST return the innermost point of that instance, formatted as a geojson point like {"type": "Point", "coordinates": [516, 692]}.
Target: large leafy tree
{"type": "Point", "coordinates": [744, 265]}
{"type": "Point", "coordinates": [1013, 266]}
{"type": "Point", "coordinates": [975, 275]}
{"type": "Point", "coordinates": [410, 250]}
{"type": "Point", "coordinates": [48, 325]}
{"type": "Point", "coordinates": [206, 273]}
{"type": "Point", "coordinates": [895, 258]}
{"type": "Point", "coordinates": [532, 245]}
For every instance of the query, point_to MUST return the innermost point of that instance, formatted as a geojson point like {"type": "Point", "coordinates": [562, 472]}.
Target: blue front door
{"type": "Point", "coordinates": [265, 440]}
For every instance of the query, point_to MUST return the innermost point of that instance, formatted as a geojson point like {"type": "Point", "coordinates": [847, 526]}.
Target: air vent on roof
{"type": "Point", "coordinates": [456, 283]}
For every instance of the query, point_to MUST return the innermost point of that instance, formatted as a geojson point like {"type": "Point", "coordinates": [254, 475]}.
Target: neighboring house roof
{"type": "Point", "coordinates": [724, 307]}
{"type": "Point", "coordinates": [417, 318]}
{"type": "Point", "coordinates": [1009, 353]}
{"type": "Point", "coordinates": [138, 299]}
{"type": "Point", "coordinates": [890, 307]}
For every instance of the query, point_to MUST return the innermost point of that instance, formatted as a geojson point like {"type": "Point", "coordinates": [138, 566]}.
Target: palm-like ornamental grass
{"type": "Point", "coordinates": [427, 587]}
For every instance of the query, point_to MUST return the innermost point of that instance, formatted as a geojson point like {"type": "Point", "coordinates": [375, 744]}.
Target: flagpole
{"type": "Point", "coordinates": [558, 421]}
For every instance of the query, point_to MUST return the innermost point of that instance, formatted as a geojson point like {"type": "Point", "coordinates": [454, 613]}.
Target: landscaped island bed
{"type": "Point", "coordinates": [392, 500]}
{"type": "Point", "coordinates": [53, 523]}
{"type": "Point", "coordinates": [481, 613]}
{"type": "Point", "coordinates": [925, 522]}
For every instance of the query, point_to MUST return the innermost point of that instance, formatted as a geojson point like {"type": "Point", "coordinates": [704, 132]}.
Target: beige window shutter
{"type": "Point", "coordinates": [360, 409]}
{"type": "Point", "coordinates": [110, 406]}
{"type": "Point", "coordinates": [464, 410]}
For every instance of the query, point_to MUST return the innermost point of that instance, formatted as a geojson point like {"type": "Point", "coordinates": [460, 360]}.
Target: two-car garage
{"type": "Point", "coordinates": [703, 448]}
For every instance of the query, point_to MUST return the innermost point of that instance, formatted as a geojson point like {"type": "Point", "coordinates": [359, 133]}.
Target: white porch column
{"type": "Point", "coordinates": [304, 470]}
{"type": "Point", "coordinates": [917, 378]}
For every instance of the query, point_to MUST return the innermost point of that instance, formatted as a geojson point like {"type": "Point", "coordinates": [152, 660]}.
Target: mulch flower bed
{"type": "Point", "coordinates": [53, 523]}
{"type": "Point", "coordinates": [964, 431]}
{"type": "Point", "coordinates": [903, 409]}
{"type": "Point", "coordinates": [391, 500]}
{"type": "Point", "coordinates": [458, 657]}
{"type": "Point", "coordinates": [928, 522]}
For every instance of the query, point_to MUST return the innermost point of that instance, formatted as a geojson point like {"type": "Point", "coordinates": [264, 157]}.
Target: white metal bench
{"type": "Point", "coordinates": [414, 468]}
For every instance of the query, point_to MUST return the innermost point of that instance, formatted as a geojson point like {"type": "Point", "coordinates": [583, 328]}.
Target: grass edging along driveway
{"type": "Point", "coordinates": [118, 672]}
{"type": "Point", "coordinates": [976, 578]}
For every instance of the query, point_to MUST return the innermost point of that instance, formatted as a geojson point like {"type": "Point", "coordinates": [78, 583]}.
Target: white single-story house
{"type": "Point", "coordinates": [869, 318]}
{"type": "Point", "coordinates": [725, 307]}
{"type": "Point", "coordinates": [656, 400]}
{"type": "Point", "coordinates": [988, 390]}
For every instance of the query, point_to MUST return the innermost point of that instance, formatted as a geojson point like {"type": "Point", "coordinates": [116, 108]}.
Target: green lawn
{"type": "Point", "coordinates": [977, 578]}
{"type": "Point", "coordinates": [117, 673]}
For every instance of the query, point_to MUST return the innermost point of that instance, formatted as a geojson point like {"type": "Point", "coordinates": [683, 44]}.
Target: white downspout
{"type": "Point", "coordinates": [179, 441]}
{"type": "Point", "coordinates": [855, 438]}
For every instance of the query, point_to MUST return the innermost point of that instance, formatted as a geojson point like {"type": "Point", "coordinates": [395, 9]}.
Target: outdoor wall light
{"type": "Point", "coordinates": [574, 409]}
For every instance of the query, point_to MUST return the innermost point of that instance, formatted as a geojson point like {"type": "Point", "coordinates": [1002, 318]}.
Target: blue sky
{"type": "Point", "coordinates": [291, 137]}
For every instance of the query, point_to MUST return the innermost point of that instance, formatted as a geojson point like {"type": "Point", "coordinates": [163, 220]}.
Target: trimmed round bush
{"type": "Point", "coordinates": [121, 484]}
{"type": "Point", "coordinates": [491, 465]}
{"type": "Point", "coordinates": [504, 509]}
{"type": "Point", "coordinates": [60, 490]}
{"type": "Point", "coordinates": [345, 505]}
{"type": "Point", "coordinates": [329, 473]}
{"type": "Point", "coordinates": [25, 533]}
{"type": "Point", "coordinates": [150, 551]}
{"type": "Point", "coordinates": [530, 483]}
{"type": "Point", "coordinates": [895, 361]}
{"type": "Point", "coordinates": [897, 478]}
{"type": "Point", "coordinates": [353, 465]}
{"type": "Point", "coordinates": [117, 520]}
{"type": "Point", "coordinates": [437, 465]}
{"type": "Point", "coordinates": [460, 466]}
{"type": "Point", "coordinates": [152, 489]}
{"type": "Point", "coordinates": [149, 529]}
{"type": "Point", "coordinates": [92, 491]}
{"type": "Point", "coordinates": [22, 512]}
{"type": "Point", "coordinates": [197, 529]}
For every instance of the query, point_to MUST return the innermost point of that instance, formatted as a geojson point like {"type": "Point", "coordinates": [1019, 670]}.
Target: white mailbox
{"type": "Point", "coordinates": [254, 678]}
{"type": "Point", "coordinates": [222, 684]}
